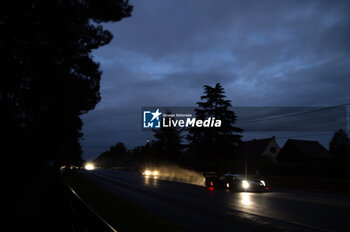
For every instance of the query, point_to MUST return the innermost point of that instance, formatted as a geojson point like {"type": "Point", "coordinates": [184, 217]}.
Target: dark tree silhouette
{"type": "Point", "coordinates": [340, 145]}
{"type": "Point", "coordinates": [168, 144]}
{"type": "Point", "coordinates": [144, 154]}
{"type": "Point", "coordinates": [216, 144]}
{"type": "Point", "coordinates": [49, 78]}
{"type": "Point", "coordinates": [115, 156]}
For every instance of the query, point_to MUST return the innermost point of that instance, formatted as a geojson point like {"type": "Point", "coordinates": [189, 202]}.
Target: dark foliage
{"type": "Point", "coordinates": [144, 154]}
{"type": "Point", "coordinates": [339, 146]}
{"type": "Point", "coordinates": [48, 75]}
{"type": "Point", "coordinates": [167, 148]}
{"type": "Point", "coordinates": [48, 80]}
{"type": "Point", "coordinates": [168, 145]}
{"type": "Point", "coordinates": [217, 143]}
{"type": "Point", "coordinates": [117, 155]}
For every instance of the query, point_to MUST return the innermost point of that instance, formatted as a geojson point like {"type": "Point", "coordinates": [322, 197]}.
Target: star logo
{"type": "Point", "coordinates": [156, 115]}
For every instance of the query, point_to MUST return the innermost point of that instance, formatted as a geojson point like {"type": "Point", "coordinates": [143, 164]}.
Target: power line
{"type": "Point", "coordinates": [293, 115]}
{"type": "Point", "coordinates": [302, 136]}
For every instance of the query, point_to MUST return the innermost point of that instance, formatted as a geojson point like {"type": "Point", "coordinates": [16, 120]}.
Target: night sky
{"type": "Point", "coordinates": [264, 53]}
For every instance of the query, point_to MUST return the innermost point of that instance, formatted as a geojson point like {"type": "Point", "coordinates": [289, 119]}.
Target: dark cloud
{"type": "Point", "coordinates": [265, 53]}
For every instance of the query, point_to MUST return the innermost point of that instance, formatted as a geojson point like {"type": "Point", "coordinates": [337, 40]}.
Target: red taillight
{"type": "Point", "coordinates": [211, 188]}
{"type": "Point", "coordinates": [266, 187]}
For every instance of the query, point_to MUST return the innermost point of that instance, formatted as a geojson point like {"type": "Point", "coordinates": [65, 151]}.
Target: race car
{"type": "Point", "coordinates": [234, 182]}
{"type": "Point", "coordinates": [150, 172]}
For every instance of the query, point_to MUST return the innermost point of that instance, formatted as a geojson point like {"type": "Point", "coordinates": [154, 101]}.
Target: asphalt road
{"type": "Point", "coordinates": [197, 208]}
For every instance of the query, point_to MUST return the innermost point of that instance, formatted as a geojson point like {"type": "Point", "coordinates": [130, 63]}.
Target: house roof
{"type": "Point", "coordinates": [254, 147]}
{"type": "Point", "coordinates": [309, 148]}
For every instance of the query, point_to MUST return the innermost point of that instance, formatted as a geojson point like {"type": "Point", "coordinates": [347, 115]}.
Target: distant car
{"type": "Point", "coordinates": [234, 182]}
{"type": "Point", "coordinates": [70, 167]}
{"type": "Point", "coordinates": [148, 172]}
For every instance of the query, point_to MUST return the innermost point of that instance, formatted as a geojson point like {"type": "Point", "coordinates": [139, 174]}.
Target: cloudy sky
{"type": "Point", "coordinates": [264, 53]}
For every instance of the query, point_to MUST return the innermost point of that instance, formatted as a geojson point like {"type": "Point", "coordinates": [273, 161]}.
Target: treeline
{"type": "Point", "coordinates": [213, 148]}
{"type": "Point", "coordinates": [196, 147]}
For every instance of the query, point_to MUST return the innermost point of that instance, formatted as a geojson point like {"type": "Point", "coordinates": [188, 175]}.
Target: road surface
{"type": "Point", "coordinates": [197, 208]}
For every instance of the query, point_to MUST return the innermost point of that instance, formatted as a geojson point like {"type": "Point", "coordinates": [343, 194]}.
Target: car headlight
{"type": "Point", "coordinates": [263, 183]}
{"type": "Point", "coordinates": [147, 173]}
{"type": "Point", "coordinates": [245, 184]}
{"type": "Point", "coordinates": [155, 173]}
{"type": "Point", "coordinates": [89, 166]}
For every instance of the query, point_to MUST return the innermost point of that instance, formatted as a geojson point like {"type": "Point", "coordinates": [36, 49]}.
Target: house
{"type": "Point", "coordinates": [303, 151]}
{"type": "Point", "coordinates": [259, 149]}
